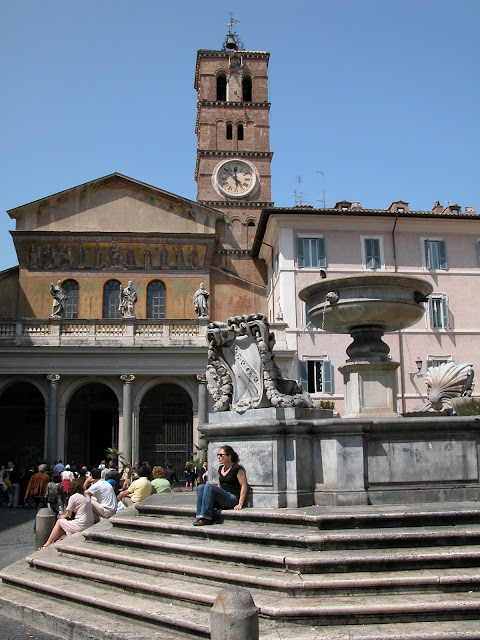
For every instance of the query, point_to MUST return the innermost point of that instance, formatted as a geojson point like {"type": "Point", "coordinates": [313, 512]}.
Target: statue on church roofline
{"type": "Point", "coordinates": [128, 298]}
{"type": "Point", "coordinates": [200, 301]}
{"type": "Point", "coordinates": [241, 372]}
{"type": "Point", "coordinates": [59, 299]}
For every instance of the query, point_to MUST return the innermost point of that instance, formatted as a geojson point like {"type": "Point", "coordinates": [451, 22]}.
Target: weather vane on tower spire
{"type": "Point", "coordinates": [232, 39]}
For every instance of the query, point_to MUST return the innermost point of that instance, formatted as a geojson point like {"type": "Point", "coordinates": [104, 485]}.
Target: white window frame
{"type": "Point", "coordinates": [327, 374]}
{"type": "Point", "coordinates": [322, 262]}
{"type": "Point", "coordinates": [425, 259]}
{"type": "Point", "coordinates": [436, 361]}
{"type": "Point", "coordinates": [442, 298]}
{"type": "Point", "coordinates": [363, 240]}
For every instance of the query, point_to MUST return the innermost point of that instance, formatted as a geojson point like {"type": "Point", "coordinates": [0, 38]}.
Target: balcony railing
{"type": "Point", "coordinates": [132, 332]}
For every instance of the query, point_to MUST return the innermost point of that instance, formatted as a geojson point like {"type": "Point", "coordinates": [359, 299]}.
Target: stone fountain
{"type": "Point", "coordinates": [297, 454]}
{"type": "Point", "coordinates": [367, 306]}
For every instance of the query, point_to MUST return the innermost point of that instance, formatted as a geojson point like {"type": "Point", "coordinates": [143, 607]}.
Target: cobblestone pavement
{"type": "Point", "coordinates": [17, 540]}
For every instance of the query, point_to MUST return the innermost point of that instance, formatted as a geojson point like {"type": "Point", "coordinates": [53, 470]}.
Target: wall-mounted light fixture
{"type": "Point", "coordinates": [418, 373]}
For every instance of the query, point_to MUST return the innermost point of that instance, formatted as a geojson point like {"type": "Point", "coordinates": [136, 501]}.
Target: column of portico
{"type": "Point", "coordinates": [51, 436]}
{"type": "Point", "coordinates": [136, 437]}
{"type": "Point", "coordinates": [125, 439]}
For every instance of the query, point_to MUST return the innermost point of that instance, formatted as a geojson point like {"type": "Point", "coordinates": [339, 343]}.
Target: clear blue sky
{"type": "Point", "coordinates": [382, 96]}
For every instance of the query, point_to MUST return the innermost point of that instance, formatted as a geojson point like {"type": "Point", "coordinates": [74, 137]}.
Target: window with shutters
{"type": "Point", "coordinates": [311, 252]}
{"type": "Point", "coordinates": [435, 254]}
{"type": "Point", "coordinates": [316, 376]}
{"type": "Point", "coordinates": [372, 256]}
{"type": "Point", "coordinates": [438, 311]}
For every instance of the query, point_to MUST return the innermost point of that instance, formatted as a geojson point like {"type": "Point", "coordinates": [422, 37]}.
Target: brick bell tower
{"type": "Point", "coordinates": [233, 153]}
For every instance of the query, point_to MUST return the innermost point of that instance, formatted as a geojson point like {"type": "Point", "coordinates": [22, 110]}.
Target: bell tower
{"type": "Point", "coordinates": [233, 152]}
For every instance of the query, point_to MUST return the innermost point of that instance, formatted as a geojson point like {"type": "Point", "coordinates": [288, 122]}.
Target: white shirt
{"type": "Point", "coordinates": [104, 493]}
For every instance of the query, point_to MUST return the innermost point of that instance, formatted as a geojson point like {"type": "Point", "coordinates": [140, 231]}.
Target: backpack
{"type": "Point", "coordinates": [52, 495]}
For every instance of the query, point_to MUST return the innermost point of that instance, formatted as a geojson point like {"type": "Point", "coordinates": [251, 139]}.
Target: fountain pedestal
{"type": "Point", "coordinates": [370, 389]}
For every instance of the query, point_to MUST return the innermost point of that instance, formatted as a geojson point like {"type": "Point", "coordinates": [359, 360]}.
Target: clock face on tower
{"type": "Point", "coordinates": [235, 178]}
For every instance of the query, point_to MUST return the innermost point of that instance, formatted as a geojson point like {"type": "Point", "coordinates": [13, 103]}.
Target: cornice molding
{"type": "Point", "coordinates": [245, 204]}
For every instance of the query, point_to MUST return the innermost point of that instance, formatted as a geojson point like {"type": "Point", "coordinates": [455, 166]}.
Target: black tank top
{"type": "Point", "coordinates": [230, 481]}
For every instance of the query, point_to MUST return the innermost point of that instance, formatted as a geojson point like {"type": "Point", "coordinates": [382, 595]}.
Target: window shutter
{"type": "Point", "coordinates": [442, 254]}
{"type": "Point", "coordinates": [327, 376]}
{"type": "Point", "coordinates": [445, 312]}
{"type": "Point", "coordinates": [368, 253]}
{"type": "Point", "coordinates": [300, 260]}
{"type": "Point", "coordinates": [302, 365]}
{"type": "Point", "coordinates": [372, 253]}
{"type": "Point", "coordinates": [322, 259]}
{"type": "Point", "coordinates": [428, 254]}
{"type": "Point", "coordinates": [376, 253]}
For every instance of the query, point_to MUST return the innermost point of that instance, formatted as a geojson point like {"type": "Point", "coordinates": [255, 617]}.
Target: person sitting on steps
{"type": "Point", "coordinates": [139, 490]}
{"type": "Point", "coordinates": [230, 493]}
{"type": "Point", "coordinates": [104, 500]}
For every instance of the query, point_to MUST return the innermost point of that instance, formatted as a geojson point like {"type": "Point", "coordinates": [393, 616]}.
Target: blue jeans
{"type": "Point", "coordinates": [210, 496]}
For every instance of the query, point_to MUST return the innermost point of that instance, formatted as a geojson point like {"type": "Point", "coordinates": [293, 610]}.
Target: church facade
{"type": "Point", "coordinates": [79, 373]}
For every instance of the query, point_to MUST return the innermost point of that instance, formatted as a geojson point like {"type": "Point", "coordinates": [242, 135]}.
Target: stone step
{"type": "Point", "coordinates": [173, 604]}
{"type": "Point", "coordinates": [282, 534]}
{"type": "Point", "coordinates": [83, 622]}
{"type": "Point", "coordinates": [293, 559]}
{"type": "Point", "coordinates": [351, 517]}
{"type": "Point", "coordinates": [204, 569]}
{"type": "Point", "coordinates": [148, 607]}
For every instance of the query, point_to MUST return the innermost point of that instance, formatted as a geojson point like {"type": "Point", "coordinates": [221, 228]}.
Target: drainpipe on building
{"type": "Point", "coordinates": [400, 333]}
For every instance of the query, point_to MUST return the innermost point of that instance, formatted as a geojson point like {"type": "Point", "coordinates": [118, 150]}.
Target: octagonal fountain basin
{"type": "Point", "coordinates": [389, 302]}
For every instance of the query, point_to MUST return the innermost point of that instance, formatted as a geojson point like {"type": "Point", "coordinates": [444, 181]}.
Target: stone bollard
{"type": "Point", "coordinates": [234, 615]}
{"type": "Point", "coordinates": [44, 523]}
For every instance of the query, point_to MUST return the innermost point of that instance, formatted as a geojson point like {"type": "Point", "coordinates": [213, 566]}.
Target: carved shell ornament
{"type": "Point", "coordinates": [447, 381]}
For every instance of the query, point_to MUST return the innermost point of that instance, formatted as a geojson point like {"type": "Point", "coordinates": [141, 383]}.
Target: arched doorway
{"type": "Point", "coordinates": [92, 424]}
{"type": "Point", "coordinates": [22, 408]}
{"type": "Point", "coordinates": [166, 427]}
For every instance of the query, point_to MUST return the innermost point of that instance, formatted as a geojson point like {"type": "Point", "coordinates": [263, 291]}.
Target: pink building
{"type": "Point", "coordinates": [302, 244]}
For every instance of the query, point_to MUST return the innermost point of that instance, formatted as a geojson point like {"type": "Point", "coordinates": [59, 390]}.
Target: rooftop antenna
{"type": "Point", "coordinates": [323, 188]}
{"type": "Point", "coordinates": [232, 40]}
{"type": "Point", "coordinates": [298, 192]}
